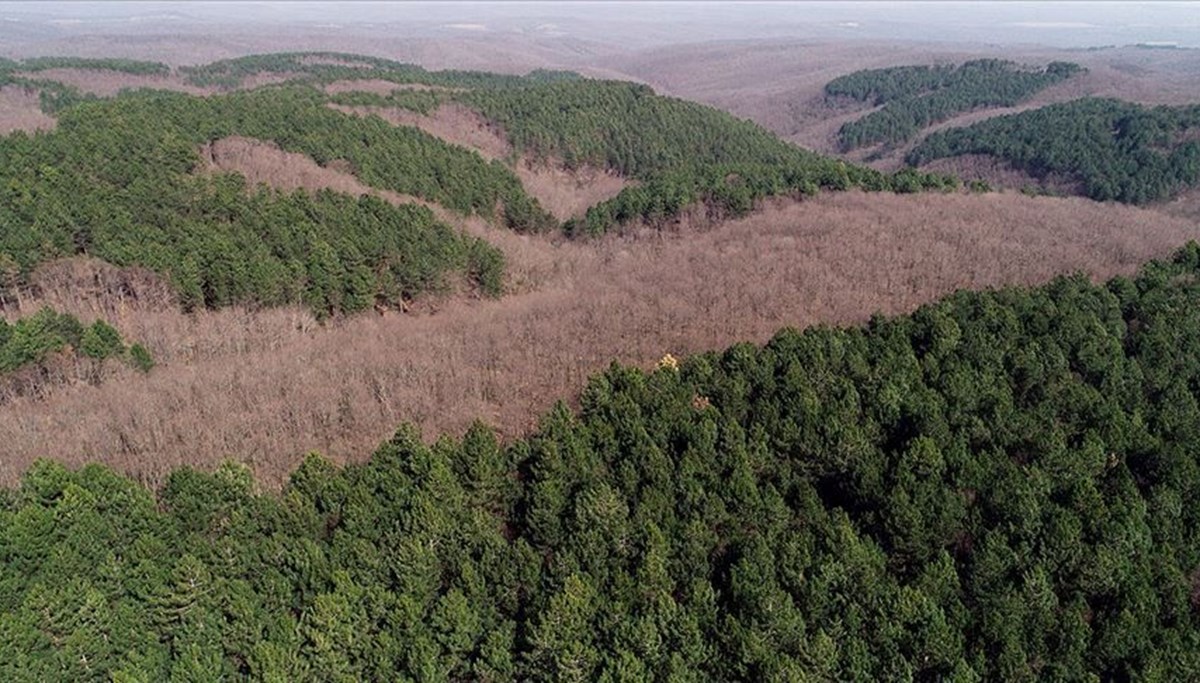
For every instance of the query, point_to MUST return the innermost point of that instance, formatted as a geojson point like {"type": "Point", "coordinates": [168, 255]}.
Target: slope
{"type": "Point", "coordinates": [911, 98]}
{"type": "Point", "coordinates": [248, 384]}
{"type": "Point", "coordinates": [993, 488]}
{"type": "Point", "coordinates": [1112, 149]}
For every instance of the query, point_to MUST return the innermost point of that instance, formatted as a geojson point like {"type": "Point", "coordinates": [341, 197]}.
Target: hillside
{"type": "Point", "coordinates": [1112, 149]}
{"type": "Point", "coordinates": [780, 83]}
{"type": "Point", "coordinates": [319, 366]}
{"type": "Point", "coordinates": [911, 98]}
{"type": "Point", "coordinates": [618, 150]}
{"type": "Point", "coordinates": [993, 487]}
{"type": "Point", "coordinates": [266, 386]}
{"type": "Point", "coordinates": [122, 182]}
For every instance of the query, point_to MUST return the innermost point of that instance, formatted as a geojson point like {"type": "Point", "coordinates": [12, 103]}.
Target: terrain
{"type": "Point", "coordinates": [503, 344]}
{"type": "Point", "coordinates": [1113, 150]}
{"type": "Point", "coordinates": [521, 362]}
{"type": "Point", "coordinates": [781, 84]}
{"type": "Point", "coordinates": [339, 389]}
{"type": "Point", "coordinates": [992, 488]}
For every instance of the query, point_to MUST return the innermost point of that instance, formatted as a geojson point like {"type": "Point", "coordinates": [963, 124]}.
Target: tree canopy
{"type": "Point", "coordinates": [994, 487]}
{"type": "Point", "coordinates": [1117, 150]}
{"type": "Point", "coordinates": [914, 97]}
{"type": "Point", "coordinates": [682, 152]}
{"type": "Point", "coordinates": [121, 178]}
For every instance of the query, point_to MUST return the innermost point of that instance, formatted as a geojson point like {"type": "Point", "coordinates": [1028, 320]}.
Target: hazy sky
{"type": "Point", "coordinates": [1074, 24]}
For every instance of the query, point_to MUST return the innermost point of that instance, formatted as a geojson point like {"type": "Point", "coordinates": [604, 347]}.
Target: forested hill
{"type": "Point", "coordinates": [1116, 150]}
{"type": "Point", "coordinates": [997, 487]}
{"type": "Point", "coordinates": [914, 97]}
{"type": "Point", "coordinates": [682, 152]}
{"type": "Point", "coordinates": [54, 95]}
{"type": "Point", "coordinates": [121, 178]}
{"type": "Point", "coordinates": [324, 67]}
{"type": "Point", "coordinates": [118, 179]}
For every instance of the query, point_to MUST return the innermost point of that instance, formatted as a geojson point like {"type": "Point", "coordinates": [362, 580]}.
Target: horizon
{"type": "Point", "coordinates": [644, 24]}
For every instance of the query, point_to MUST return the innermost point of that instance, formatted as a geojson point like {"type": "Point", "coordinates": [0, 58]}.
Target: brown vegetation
{"type": "Point", "coordinates": [265, 387]}
{"type": "Point", "coordinates": [20, 110]}
{"type": "Point", "coordinates": [106, 83]}
{"type": "Point", "coordinates": [1001, 174]}
{"type": "Point", "coordinates": [262, 162]}
{"type": "Point", "coordinates": [1186, 205]}
{"type": "Point", "coordinates": [568, 193]}
{"type": "Point", "coordinates": [452, 122]}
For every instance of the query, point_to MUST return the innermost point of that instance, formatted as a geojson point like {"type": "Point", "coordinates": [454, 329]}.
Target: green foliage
{"type": "Point", "coordinates": [915, 97]}
{"type": "Point", "coordinates": [140, 358]}
{"type": "Point", "coordinates": [1116, 150]}
{"type": "Point", "coordinates": [116, 180]}
{"type": "Point", "coordinates": [31, 341]}
{"type": "Point", "coordinates": [54, 97]}
{"type": "Point", "coordinates": [100, 341]}
{"type": "Point", "coordinates": [129, 66]}
{"type": "Point", "coordinates": [995, 487]}
{"type": "Point", "coordinates": [681, 152]}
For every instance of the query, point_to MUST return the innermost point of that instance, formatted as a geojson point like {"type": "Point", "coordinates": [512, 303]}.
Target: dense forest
{"type": "Point", "coordinates": [914, 97]}
{"type": "Point", "coordinates": [681, 151]}
{"type": "Point", "coordinates": [120, 178]}
{"type": "Point", "coordinates": [995, 487]}
{"type": "Point", "coordinates": [1116, 150]}
{"type": "Point", "coordinates": [117, 180]}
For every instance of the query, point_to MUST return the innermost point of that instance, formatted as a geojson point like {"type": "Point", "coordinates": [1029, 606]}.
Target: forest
{"type": "Point", "coordinates": [995, 487]}
{"type": "Point", "coordinates": [1117, 150]}
{"type": "Point", "coordinates": [117, 180]}
{"type": "Point", "coordinates": [912, 98]}
{"type": "Point", "coordinates": [121, 178]}
{"type": "Point", "coordinates": [684, 153]}
{"type": "Point", "coordinates": [681, 151]}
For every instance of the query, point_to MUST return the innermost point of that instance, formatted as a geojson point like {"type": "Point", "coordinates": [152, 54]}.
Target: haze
{"type": "Point", "coordinates": [627, 24]}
